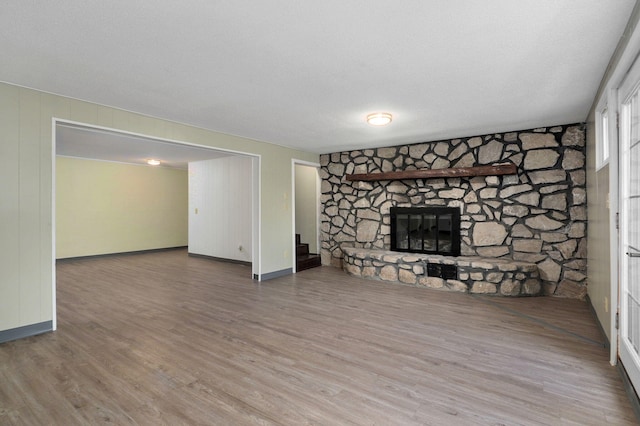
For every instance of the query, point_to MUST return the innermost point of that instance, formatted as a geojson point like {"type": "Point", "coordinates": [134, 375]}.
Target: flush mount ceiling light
{"type": "Point", "coordinates": [153, 162]}
{"type": "Point", "coordinates": [379, 118]}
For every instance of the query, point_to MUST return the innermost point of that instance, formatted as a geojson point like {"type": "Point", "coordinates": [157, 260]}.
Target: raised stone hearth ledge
{"type": "Point", "coordinates": [496, 276]}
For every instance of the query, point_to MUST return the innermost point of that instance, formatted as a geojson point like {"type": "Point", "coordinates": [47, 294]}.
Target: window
{"type": "Point", "coordinates": [602, 138]}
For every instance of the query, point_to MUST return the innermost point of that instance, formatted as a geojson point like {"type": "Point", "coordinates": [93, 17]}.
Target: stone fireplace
{"type": "Point", "coordinates": [536, 216]}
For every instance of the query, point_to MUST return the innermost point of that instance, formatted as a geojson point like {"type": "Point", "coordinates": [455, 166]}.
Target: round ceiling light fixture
{"type": "Point", "coordinates": [379, 118]}
{"type": "Point", "coordinates": [153, 162]}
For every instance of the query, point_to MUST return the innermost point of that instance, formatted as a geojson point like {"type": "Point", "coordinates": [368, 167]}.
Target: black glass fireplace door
{"type": "Point", "coordinates": [426, 230]}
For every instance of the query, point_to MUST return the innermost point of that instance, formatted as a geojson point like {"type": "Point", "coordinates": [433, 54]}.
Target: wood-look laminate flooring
{"type": "Point", "coordinates": [167, 339]}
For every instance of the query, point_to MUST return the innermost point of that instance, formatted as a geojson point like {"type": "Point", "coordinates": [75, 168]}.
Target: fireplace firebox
{"type": "Point", "coordinates": [434, 230]}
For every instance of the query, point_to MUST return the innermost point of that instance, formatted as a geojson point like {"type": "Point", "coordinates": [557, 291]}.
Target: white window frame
{"type": "Point", "coordinates": [603, 124]}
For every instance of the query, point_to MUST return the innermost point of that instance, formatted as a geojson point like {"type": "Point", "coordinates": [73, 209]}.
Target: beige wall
{"type": "Point", "coordinates": [598, 265]}
{"type": "Point", "coordinates": [26, 191]}
{"type": "Point", "coordinates": [105, 207]}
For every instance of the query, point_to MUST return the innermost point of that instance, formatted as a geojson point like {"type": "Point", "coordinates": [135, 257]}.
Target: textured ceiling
{"type": "Point", "coordinates": [304, 74]}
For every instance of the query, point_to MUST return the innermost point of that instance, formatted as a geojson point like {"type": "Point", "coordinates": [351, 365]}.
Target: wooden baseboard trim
{"type": "Point", "coordinates": [99, 256]}
{"type": "Point", "coordinates": [25, 331]}
{"type": "Point", "coordinates": [274, 274]}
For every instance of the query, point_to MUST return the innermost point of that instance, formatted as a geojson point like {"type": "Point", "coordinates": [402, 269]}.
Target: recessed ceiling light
{"type": "Point", "coordinates": [379, 118]}
{"type": "Point", "coordinates": [153, 162]}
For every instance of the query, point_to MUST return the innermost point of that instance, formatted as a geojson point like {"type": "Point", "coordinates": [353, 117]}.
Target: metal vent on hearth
{"type": "Point", "coordinates": [446, 272]}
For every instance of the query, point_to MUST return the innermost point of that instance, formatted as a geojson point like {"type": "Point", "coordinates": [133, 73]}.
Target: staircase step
{"type": "Point", "coordinates": [302, 249]}
{"type": "Point", "coordinates": [304, 259]}
{"type": "Point", "coordinates": [308, 261]}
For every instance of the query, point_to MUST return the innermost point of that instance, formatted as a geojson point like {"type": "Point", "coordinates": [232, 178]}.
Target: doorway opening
{"type": "Point", "coordinates": [306, 215]}
{"type": "Point", "coordinates": [126, 153]}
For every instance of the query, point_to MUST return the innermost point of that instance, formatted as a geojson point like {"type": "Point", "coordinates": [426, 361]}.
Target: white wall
{"type": "Point", "coordinates": [220, 208]}
{"type": "Point", "coordinates": [306, 207]}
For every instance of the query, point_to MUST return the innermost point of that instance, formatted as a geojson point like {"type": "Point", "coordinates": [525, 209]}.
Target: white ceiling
{"type": "Point", "coordinates": [304, 74]}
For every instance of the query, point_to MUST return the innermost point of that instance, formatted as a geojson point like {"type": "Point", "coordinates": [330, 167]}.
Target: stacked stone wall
{"type": "Point", "coordinates": [538, 215]}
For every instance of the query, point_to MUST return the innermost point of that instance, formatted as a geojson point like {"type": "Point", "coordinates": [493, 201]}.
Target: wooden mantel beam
{"type": "Point", "coordinates": [492, 170]}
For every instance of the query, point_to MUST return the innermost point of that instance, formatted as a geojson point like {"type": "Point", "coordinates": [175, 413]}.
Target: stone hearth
{"type": "Point", "coordinates": [537, 216]}
{"type": "Point", "coordinates": [503, 277]}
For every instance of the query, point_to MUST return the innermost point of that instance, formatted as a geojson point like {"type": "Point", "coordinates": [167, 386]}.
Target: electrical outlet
{"type": "Point", "coordinates": [606, 304]}
{"type": "Point", "coordinates": [240, 248]}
